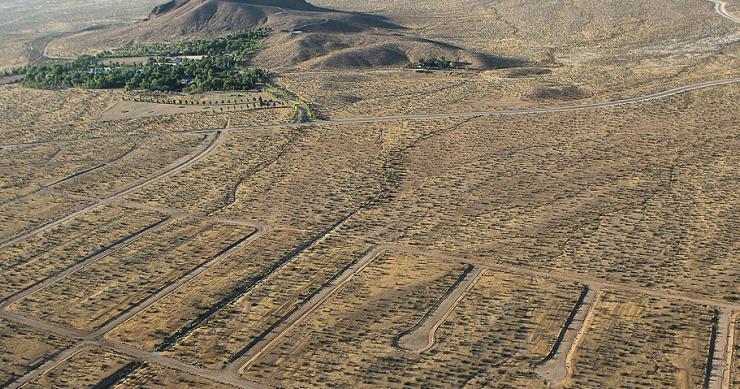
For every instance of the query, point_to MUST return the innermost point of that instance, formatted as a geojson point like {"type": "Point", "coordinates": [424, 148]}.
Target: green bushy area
{"type": "Point", "coordinates": [221, 68]}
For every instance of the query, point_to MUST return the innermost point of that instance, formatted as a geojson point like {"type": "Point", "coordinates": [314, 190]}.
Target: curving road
{"type": "Point", "coordinates": [721, 8]}
{"type": "Point", "coordinates": [419, 117]}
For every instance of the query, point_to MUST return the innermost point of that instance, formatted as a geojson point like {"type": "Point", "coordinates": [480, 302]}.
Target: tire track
{"type": "Point", "coordinates": [720, 7]}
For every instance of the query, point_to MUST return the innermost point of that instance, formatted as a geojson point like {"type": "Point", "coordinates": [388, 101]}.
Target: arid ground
{"type": "Point", "coordinates": [561, 213]}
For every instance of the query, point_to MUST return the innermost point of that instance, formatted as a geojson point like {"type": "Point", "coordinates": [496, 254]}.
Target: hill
{"type": "Point", "coordinates": [305, 35]}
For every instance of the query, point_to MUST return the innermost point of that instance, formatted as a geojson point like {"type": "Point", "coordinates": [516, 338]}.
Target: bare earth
{"type": "Point", "coordinates": [568, 223]}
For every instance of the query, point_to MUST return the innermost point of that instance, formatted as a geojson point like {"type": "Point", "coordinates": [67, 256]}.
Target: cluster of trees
{"type": "Point", "coordinates": [237, 45]}
{"type": "Point", "coordinates": [435, 63]}
{"type": "Point", "coordinates": [210, 73]}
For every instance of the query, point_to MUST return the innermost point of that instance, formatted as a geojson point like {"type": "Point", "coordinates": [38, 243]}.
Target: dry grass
{"type": "Point", "coordinates": [217, 341]}
{"type": "Point", "coordinates": [154, 376]}
{"type": "Point", "coordinates": [33, 211]}
{"type": "Point", "coordinates": [84, 369]}
{"type": "Point", "coordinates": [277, 175]}
{"type": "Point", "coordinates": [151, 327]}
{"type": "Point", "coordinates": [641, 342]}
{"type": "Point", "coordinates": [43, 255]}
{"type": "Point", "coordinates": [22, 348]}
{"type": "Point", "coordinates": [639, 195]}
{"type": "Point", "coordinates": [504, 323]}
{"type": "Point", "coordinates": [24, 108]}
{"type": "Point", "coordinates": [141, 159]}
{"type": "Point", "coordinates": [394, 92]}
{"type": "Point", "coordinates": [123, 279]}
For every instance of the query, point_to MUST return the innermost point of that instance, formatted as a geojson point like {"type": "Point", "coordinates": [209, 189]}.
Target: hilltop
{"type": "Point", "coordinates": [305, 35]}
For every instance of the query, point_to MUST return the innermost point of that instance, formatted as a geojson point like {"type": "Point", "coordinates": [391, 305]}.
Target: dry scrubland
{"type": "Point", "coordinates": [26, 25]}
{"type": "Point", "coordinates": [126, 277]}
{"type": "Point", "coordinates": [31, 115]}
{"type": "Point", "coordinates": [86, 368]}
{"type": "Point", "coordinates": [587, 30]}
{"type": "Point", "coordinates": [249, 238]}
{"type": "Point", "coordinates": [504, 323]}
{"type": "Point", "coordinates": [392, 92]}
{"type": "Point", "coordinates": [158, 248]}
{"type": "Point", "coordinates": [23, 347]}
{"type": "Point", "coordinates": [33, 260]}
{"type": "Point", "coordinates": [640, 342]}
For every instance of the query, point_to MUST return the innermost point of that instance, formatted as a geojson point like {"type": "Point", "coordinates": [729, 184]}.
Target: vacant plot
{"type": "Point", "coordinates": [20, 181]}
{"type": "Point", "coordinates": [33, 211]}
{"type": "Point", "coordinates": [502, 324]}
{"type": "Point", "coordinates": [265, 300]}
{"type": "Point", "coordinates": [642, 342]}
{"type": "Point", "coordinates": [163, 325]}
{"type": "Point", "coordinates": [88, 368]}
{"type": "Point", "coordinates": [22, 349]}
{"type": "Point", "coordinates": [305, 178]}
{"type": "Point", "coordinates": [41, 256]}
{"type": "Point", "coordinates": [23, 107]}
{"type": "Point", "coordinates": [43, 167]}
{"type": "Point", "coordinates": [537, 190]}
{"type": "Point", "coordinates": [36, 154]}
{"type": "Point", "coordinates": [142, 159]}
{"type": "Point", "coordinates": [128, 276]}
{"type": "Point", "coordinates": [211, 183]}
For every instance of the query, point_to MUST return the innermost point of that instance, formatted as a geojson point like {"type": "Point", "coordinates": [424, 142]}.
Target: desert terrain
{"type": "Point", "coordinates": [552, 204]}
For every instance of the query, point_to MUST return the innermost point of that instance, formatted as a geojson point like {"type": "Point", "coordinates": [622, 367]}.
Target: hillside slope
{"type": "Point", "coordinates": [305, 35]}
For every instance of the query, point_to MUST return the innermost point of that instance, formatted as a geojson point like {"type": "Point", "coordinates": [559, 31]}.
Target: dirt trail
{"type": "Point", "coordinates": [175, 285]}
{"type": "Point", "coordinates": [54, 278]}
{"type": "Point", "coordinates": [97, 337]}
{"type": "Point", "coordinates": [436, 116]}
{"type": "Point", "coordinates": [422, 337]}
{"type": "Point", "coordinates": [555, 367]}
{"type": "Point", "coordinates": [46, 188]}
{"type": "Point", "coordinates": [564, 276]}
{"type": "Point", "coordinates": [269, 339]}
{"type": "Point", "coordinates": [721, 8]}
{"type": "Point", "coordinates": [212, 142]}
{"type": "Point", "coordinates": [721, 349]}
{"type": "Point", "coordinates": [730, 355]}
